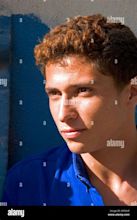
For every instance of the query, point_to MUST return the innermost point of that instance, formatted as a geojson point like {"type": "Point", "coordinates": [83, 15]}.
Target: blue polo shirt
{"type": "Point", "coordinates": [54, 178]}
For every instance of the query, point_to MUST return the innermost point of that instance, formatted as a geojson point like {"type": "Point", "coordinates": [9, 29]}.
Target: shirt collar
{"type": "Point", "coordinates": [80, 170]}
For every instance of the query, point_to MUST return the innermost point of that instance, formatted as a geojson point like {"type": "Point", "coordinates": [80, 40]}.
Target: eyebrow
{"type": "Point", "coordinates": [71, 86]}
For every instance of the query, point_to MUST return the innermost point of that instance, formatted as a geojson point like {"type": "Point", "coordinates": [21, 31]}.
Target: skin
{"type": "Point", "coordinates": [80, 97]}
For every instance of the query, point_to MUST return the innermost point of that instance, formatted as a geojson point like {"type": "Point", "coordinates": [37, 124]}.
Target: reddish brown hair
{"type": "Point", "coordinates": [111, 46]}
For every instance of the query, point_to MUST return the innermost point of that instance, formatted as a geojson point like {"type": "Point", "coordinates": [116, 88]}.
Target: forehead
{"type": "Point", "coordinates": [70, 68]}
{"type": "Point", "coordinates": [74, 70]}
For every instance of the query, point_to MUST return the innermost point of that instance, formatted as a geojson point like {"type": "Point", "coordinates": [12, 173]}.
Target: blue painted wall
{"type": "Point", "coordinates": [26, 126]}
{"type": "Point", "coordinates": [32, 129]}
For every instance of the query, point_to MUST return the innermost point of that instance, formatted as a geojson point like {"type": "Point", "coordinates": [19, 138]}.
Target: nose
{"type": "Point", "coordinates": [67, 110]}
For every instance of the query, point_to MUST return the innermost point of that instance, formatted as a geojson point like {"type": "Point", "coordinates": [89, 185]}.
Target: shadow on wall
{"type": "Point", "coordinates": [5, 29]}
{"type": "Point", "coordinates": [32, 129]}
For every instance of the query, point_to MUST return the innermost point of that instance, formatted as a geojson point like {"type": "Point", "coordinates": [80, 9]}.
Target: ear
{"type": "Point", "coordinates": [133, 94]}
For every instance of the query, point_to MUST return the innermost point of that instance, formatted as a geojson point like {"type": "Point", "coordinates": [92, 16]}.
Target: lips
{"type": "Point", "coordinates": [72, 133]}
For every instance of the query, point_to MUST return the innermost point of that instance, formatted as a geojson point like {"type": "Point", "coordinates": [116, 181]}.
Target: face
{"type": "Point", "coordinates": [86, 106]}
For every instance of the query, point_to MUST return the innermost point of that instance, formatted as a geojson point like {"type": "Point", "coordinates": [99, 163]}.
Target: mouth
{"type": "Point", "coordinates": [72, 133]}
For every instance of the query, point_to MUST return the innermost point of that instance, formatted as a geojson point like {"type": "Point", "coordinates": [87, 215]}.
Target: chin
{"type": "Point", "coordinates": [80, 148]}
{"type": "Point", "coordinates": [77, 148]}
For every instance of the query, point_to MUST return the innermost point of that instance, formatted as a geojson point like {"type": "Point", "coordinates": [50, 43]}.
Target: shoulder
{"type": "Point", "coordinates": [30, 179]}
{"type": "Point", "coordinates": [36, 162]}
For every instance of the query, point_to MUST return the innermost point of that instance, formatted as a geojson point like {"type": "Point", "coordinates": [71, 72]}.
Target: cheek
{"type": "Point", "coordinates": [96, 112]}
{"type": "Point", "coordinates": [89, 109]}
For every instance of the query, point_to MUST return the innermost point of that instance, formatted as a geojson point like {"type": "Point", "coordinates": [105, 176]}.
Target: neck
{"type": "Point", "coordinates": [114, 165]}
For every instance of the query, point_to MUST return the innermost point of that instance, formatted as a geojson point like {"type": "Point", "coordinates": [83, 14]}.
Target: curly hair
{"type": "Point", "coordinates": [111, 46]}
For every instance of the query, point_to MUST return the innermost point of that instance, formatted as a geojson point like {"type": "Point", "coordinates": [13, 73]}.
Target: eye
{"type": "Point", "coordinates": [84, 90]}
{"type": "Point", "coordinates": [53, 93]}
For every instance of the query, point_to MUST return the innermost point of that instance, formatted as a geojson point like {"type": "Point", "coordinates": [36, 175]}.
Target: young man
{"type": "Point", "coordinates": [88, 64]}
